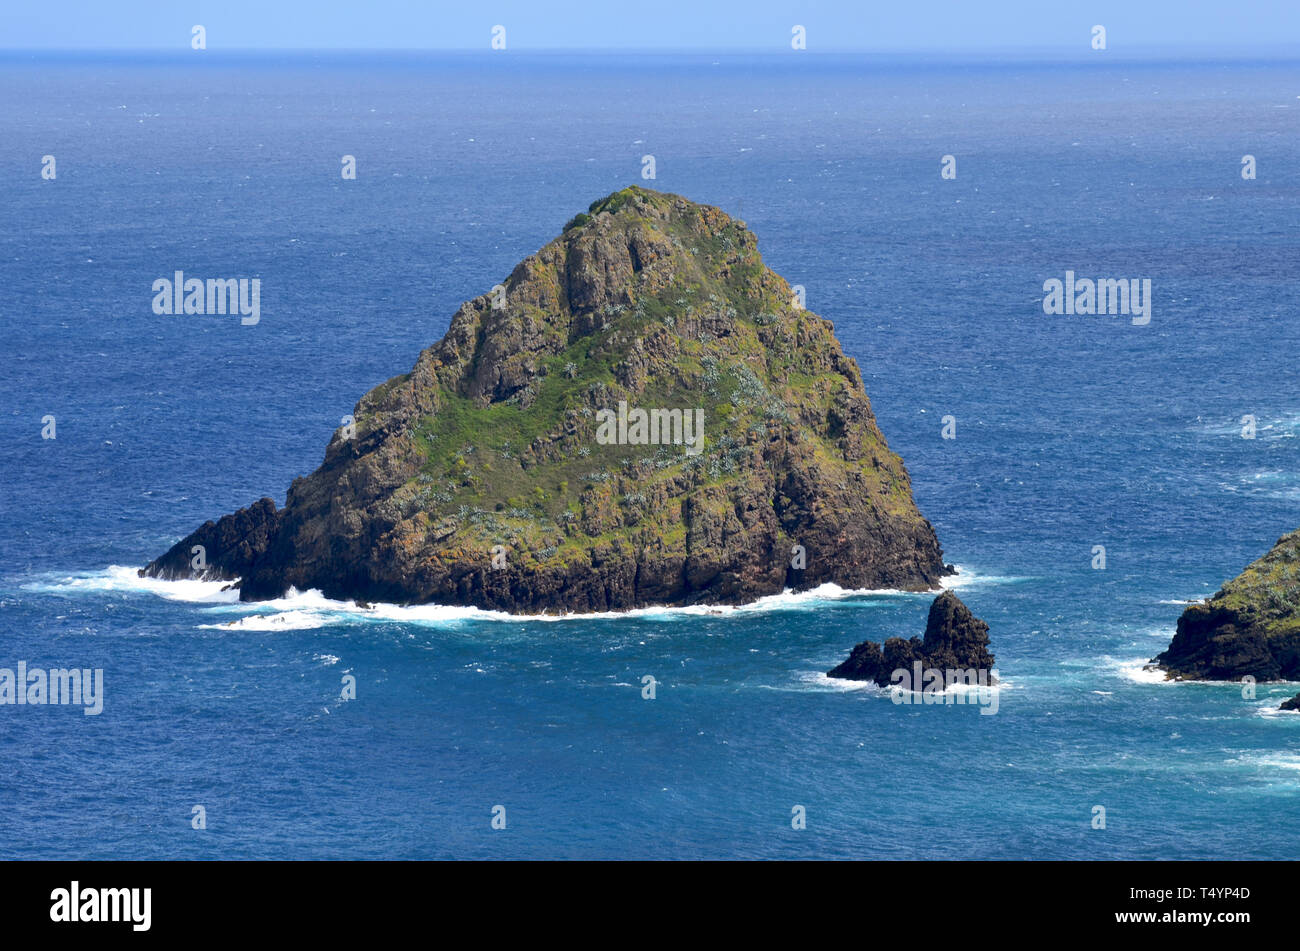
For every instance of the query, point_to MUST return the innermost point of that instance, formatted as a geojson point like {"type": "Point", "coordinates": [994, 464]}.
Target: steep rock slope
{"type": "Point", "coordinates": [492, 474]}
{"type": "Point", "coordinates": [1250, 627]}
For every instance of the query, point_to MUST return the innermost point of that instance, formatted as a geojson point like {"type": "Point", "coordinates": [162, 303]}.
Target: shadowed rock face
{"type": "Point", "coordinates": [954, 640]}
{"type": "Point", "coordinates": [490, 444]}
{"type": "Point", "coordinates": [1292, 704]}
{"type": "Point", "coordinates": [1251, 627]}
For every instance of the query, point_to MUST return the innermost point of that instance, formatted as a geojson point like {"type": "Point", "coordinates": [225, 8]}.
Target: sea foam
{"type": "Point", "coordinates": [305, 610]}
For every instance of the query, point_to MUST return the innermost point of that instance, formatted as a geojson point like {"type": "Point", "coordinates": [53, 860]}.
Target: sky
{"type": "Point", "coordinates": [831, 25]}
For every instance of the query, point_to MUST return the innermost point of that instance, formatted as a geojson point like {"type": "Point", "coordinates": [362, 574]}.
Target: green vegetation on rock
{"type": "Point", "coordinates": [1251, 627]}
{"type": "Point", "coordinates": [491, 440]}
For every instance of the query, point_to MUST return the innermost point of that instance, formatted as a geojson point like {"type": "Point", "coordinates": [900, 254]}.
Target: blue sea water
{"type": "Point", "coordinates": [1072, 432]}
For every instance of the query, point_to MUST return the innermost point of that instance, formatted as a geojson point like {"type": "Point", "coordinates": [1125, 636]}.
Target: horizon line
{"type": "Point", "coordinates": [1073, 48]}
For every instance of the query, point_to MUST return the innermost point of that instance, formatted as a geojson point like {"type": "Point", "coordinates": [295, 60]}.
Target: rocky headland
{"type": "Point", "coordinates": [1251, 627]}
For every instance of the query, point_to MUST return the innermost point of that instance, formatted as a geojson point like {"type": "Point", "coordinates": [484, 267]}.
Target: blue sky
{"type": "Point", "coordinates": [969, 25]}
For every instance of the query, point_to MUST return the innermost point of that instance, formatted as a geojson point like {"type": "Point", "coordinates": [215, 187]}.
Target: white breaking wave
{"type": "Point", "coordinates": [821, 681]}
{"type": "Point", "coordinates": [1289, 761]}
{"type": "Point", "coordinates": [284, 621]}
{"type": "Point", "coordinates": [954, 688]}
{"type": "Point", "coordinates": [1139, 671]}
{"type": "Point", "coordinates": [1272, 708]}
{"type": "Point", "coordinates": [304, 610]}
{"type": "Point", "coordinates": [966, 577]}
{"type": "Point", "coordinates": [121, 578]}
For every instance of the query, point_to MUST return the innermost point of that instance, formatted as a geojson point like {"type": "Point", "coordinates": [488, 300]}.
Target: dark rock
{"type": "Point", "coordinates": [230, 546]}
{"type": "Point", "coordinates": [1251, 627]}
{"type": "Point", "coordinates": [1292, 704]}
{"type": "Point", "coordinates": [954, 640]}
{"type": "Point", "coordinates": [478, 478]}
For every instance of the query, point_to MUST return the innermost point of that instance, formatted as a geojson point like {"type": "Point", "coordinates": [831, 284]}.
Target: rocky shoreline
{"type": "Point", "coordinates": [1249, 628]}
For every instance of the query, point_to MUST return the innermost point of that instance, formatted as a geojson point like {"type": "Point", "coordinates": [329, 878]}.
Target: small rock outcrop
{"type": "Point", "coordinates": [1251, 627]}
{"type": "Point", "coordinates": [1292, 704]}
{"type": "Point", "coordinates": [954, 640]}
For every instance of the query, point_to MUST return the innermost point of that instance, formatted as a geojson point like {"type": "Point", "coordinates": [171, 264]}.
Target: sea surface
{"type": "Point", "coordinates": [1071, 432]}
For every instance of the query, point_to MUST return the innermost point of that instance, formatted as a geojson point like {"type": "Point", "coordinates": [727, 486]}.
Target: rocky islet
{"type": "Point", "coordinates": [641, 414]}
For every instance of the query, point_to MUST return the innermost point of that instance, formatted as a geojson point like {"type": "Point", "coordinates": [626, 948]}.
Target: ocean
{"type": "Point", "coordinates": [1072, 432]}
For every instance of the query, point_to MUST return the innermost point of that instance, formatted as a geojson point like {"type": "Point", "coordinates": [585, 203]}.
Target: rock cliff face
{"type": "Point", "coordinates": [1250, 627]}
{"type": "Point", "coordinates": [954, 640]}
{"type": "Point", "coordinates": [512, 468]}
